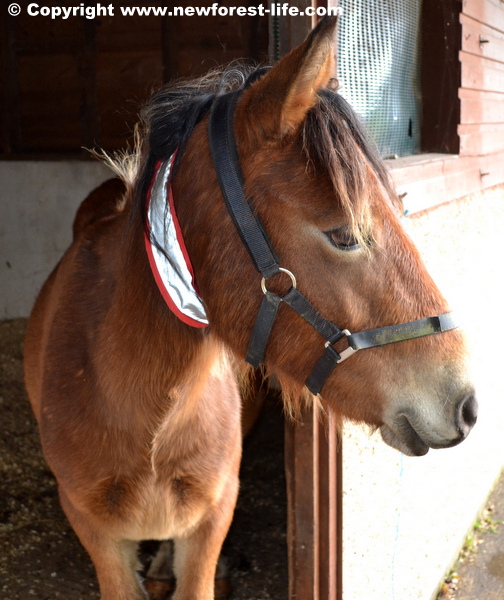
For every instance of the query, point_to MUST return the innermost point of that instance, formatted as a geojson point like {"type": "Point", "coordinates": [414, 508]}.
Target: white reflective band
{"type": "Point", "coordinates": [171, 267]}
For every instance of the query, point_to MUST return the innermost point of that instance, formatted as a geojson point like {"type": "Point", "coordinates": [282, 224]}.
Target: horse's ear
{"type": "Point", "coordinates": [277, 104]}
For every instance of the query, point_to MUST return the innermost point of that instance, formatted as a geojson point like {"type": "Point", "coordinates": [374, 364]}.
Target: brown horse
{"type": "Point", "coordinates": [136, 395]}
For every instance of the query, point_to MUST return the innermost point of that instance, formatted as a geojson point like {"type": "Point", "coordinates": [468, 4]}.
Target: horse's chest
{"type": "Point", "coordinates": [166, 513]}
{"type": "Point", "coordinates": [170, 494]}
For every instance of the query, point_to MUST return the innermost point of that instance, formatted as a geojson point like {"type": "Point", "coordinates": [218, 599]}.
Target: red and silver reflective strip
{"type": "Point", "coordinates": [168, 258]}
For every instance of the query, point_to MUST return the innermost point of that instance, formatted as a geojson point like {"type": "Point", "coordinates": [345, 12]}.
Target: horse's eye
{"type": "Point", "coordinates": [343, 238]}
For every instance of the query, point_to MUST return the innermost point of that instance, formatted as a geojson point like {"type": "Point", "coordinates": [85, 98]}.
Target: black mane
{"type": "Point", "coordinates": [333, 135]}
{"type": "Point", "coordinates": [172, 113]}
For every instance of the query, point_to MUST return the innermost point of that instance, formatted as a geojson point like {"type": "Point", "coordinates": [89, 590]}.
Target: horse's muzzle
{"type": "Point", "coordinates": [466, 415]}
{"type": "Point", "coordinates": [408, 434]}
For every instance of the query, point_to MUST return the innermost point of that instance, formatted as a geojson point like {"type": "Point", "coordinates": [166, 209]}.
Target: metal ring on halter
{"type": "Point", "coordinates": [287, 272]}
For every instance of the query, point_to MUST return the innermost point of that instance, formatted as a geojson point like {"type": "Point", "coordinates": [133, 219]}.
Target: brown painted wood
{"type": "Point", "coordinates": [486, 11]}
{"type": "Point", "coordinates": [477, 76]}
{"type": "Point", "coordinates": [9, 95]}
{"type": "Point", "coordinates": [313, 455]}
{"type": "Point", "coordinates": [301, 470]}
{"type": "Point", "coordinates": [312, 448]}
{"type": "Point", "coordinates": [481, 39]}
{"type": "Point", "coordinates": [314, 492]}
{"type": "Point", "coordinates": [289, 31]}
{"type": "Point", "coordinates": [50, 95]}
{"type": "Point", "coordinates": [80, 82]}
{"type": "Point", "coordinates": [87, 72]}
{"type": "Point", "coordinates": [481, 139]}
{"type": "Point", "coordinates": [479, 106]}
{"type": "Point", "coordinates": [330, 534]}
{"type": "Point", "coordinates": [168, 47]}
{"type": "Point", "coordinates": [448, 178]}
{"type": "Point", "coordinates": [441, 75]}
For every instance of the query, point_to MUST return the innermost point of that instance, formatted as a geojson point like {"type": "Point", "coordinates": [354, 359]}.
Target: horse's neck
{"type": "Point", "coordinates": [153, 355]}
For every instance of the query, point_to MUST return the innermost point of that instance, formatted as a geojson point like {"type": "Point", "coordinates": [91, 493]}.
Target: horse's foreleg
{"type": "Point", "coordinates": [115, 561]}
{"type": "Point", "coordinates": [196, 555]}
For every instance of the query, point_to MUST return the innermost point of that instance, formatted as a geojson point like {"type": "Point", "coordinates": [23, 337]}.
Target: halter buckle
{"type": "Point", "coordinates": [347, 352]}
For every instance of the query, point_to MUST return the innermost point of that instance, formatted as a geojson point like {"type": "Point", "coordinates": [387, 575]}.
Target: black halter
{"type": "Point", "coordinates": [253, 235]}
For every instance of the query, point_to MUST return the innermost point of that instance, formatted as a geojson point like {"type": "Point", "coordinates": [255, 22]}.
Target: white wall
{"type": "Point", "coordinates": [405, 519]}
{"type": "Point", "coordinates": [38, 201]}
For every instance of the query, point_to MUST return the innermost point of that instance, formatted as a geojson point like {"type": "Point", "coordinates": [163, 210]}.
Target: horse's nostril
{"type": "Point", "coordinates": [467, 413]}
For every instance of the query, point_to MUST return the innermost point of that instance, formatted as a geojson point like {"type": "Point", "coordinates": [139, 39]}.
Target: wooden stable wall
{"type": "Point", "coordinates": [481, 126]}
{"type": "Point", "coordinates": [463, 92]}
{"type": "Point", "coordinates": [80, 82]}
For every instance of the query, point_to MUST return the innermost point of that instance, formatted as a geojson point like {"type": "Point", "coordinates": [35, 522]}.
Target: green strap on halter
{"type": "Point", "coordinates": [373, 338]}
{"type": "Point", "coordinates": [404, 331]}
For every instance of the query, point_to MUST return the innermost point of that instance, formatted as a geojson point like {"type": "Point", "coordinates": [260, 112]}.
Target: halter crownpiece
{"type": "Point", "coordinates": [255, 239]}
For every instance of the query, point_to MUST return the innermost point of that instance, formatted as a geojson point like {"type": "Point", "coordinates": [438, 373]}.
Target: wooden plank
{"type": "Point", "coordinates": [479, 77]}
{"type": "Point", "coordinates": [258, 39]}
{"type": "Point", "coordinates": [330, 511]}
{"type": "Point", "coordinates": [486, 63]}
{"type": "Point", "coordinates": [457, 177]}
{"type": "Point", "coordinates": [87, 75]}
{"type": "Point", "coordinates": [313, 465]}
{"type": "Point", "coordinates": [481, 139]}
{"type": "Point", "coordinates": [191, 46]}
{"type": "Point", "coordinates": [36, 36]}
{"type": "Point", "coordinates": [9, 111]}
{"type": "Point", "coordinates": [485, 11]}
{"type": "Point", "coordinates": [124, 84]}
{"type": "Point", "coordinates": [313, 474]}
{"type": "Point", "coordinates": [481, 107]}
{"type": "Point", "coordinates": [134, 34]}
{"type": "Point", "coordinates": [50, 95]}
{"type": "Point", "coordinates": [441, 166]}
{"type": "Point", "coordinates": [474, 32]}
{"type": "Point", "coordinates": [491, 170]}
{"type": "Point", "coordinates": [291, 30]}
{"type": "Point", "coordinates": [61, 88]}
{"type": "Point", "coordinates": [168, 49]}
{"type": "Point", "coordinates": [301, 471]}
{"type": "Point", "coordinates": [426, 193]}
{"type": "Point", "coordinates": [406, 171]}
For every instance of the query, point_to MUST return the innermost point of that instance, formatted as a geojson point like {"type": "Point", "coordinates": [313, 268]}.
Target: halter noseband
{"type": "Point", "coordinates": [255, 239]}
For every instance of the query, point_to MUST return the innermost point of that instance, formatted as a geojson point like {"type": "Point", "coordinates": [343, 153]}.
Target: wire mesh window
{"type": "Point", "coordinates": [379, 70]}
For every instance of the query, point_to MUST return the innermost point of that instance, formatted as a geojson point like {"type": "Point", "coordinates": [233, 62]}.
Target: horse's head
{"type": "Point", "coordinates": [326, 203]}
